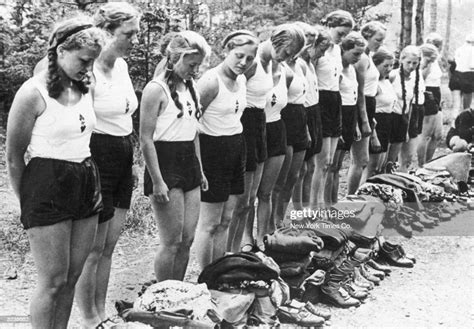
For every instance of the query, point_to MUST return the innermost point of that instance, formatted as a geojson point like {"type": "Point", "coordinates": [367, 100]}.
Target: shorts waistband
{"type": "Point", "coordinates": [106, 136]}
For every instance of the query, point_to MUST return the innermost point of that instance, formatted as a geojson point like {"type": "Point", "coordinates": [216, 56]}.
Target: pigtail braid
{"type": "Point", "coordinates": [417, 84]}
{"type": "Point", "coordinates": [169, 74]}
{"type": "Point", "coordinates": [53, 82]}
{"type": "Point", "coordinates": [192, 91]}
{"type": "Point", "coordinates": [404, 92]}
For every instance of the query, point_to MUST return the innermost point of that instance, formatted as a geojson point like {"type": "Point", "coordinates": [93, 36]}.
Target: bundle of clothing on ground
{"type": "Point", "coordinates": [335, 260]}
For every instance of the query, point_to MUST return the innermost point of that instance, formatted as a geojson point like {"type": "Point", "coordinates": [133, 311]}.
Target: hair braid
{"type": "Point", "coordinates": [53, 83]}
{"type": "Point", "coordinates": [404, 92]}
{"type": "Point", "coordinates": [417, 84]}
{"type": "Point", "coordinates": [171, 83]}
{"type": "Point", "coordinates": [192, 91]}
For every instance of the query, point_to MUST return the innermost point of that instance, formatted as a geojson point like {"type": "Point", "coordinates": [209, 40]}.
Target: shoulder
{"type": "Point", "coordinates": [208, 81]}
{"type": "Point", "coordinates": [29, 99]}
{"type": "Point", "coordinates": [363, 64]}
{"type": "Point", "coordinates": [155, 90]}
{"type": "Point", "coordinates": [392, 76]}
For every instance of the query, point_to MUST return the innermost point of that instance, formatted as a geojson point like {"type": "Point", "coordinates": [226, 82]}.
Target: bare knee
{"type": "Point", "coordinates": [53, 285]}
{"type": "Point", "coordinates": [264, 196]}
{"type": "Point", "coordinates": [225, 222]}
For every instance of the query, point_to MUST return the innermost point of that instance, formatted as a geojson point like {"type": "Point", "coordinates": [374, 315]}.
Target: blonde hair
{"type": "Point", "coordinates": [338, 18]}
{"type": "Point", "coordinates": [111, 15]}
{"type": "Point", "coordinates": [288, 35]}
{"type": "Point", "coordinates": [239, 38]}
{"type": "Point", "coordinates": [371, 28]}
{"type": "Point", "coordinates": [429, 50]}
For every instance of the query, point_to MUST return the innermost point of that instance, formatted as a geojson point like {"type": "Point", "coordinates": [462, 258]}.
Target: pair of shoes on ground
{"type": "Point", "coordinates": [303, 314]}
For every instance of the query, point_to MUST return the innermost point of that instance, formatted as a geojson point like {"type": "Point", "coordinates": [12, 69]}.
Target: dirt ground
{"type": "Point", "coordinates": [437, 292]}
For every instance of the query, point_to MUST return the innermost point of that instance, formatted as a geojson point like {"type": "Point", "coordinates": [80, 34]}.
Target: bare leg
{"type": "Point", "coordinates": [50, 249]}
{"type": "Point", "coordinates": [170, 220]}
{"type": "Point", "coordinates": [335, 168]}
{"type": "Point", "coordinates": [457, 99]}
{"type": "Point", "coordinates": [323, 162]}
{"type": "Point", "coordinates": [83, 232]}
{"type": "Point", "coordinates": [271, 170]}
{"type": "Point", "coordinates": [359, 161]}
{"type": "Point", "coordinates": [436, 137]}
{"type": "Point", "coordinates": [393, 152]}
{"type": "Point", "coordinates": [248, 232]}
{"type": "Point", "coordinates": [466, 100]}
{"type": "Point", "coordinates": [87, 283]}
{"type": "Point", "coordinates": [210, 215]}
{"type": "Point", "coordinates": [298, 190]}
{"type": "Point", "coordinates": [277, 198]}
{"type": "Point", "coordinates": [295, 167]}
{"type": "Point", "coordinates": [308, 179]}
{"type": "Point", "coordinates": [407, 153]}
{"type": "Point", "coordinates": [241, 212]}
{"type": "Point", "coordinates": [105, 262]}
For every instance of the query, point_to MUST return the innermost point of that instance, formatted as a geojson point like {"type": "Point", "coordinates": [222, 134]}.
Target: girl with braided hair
{"type": "Point", "coordinates": [112, 150]}
{"type": "Point", "coordinates": [433, 119]}
{"type": "Point", "coordinates": [409, 87]}
{"type": "Point", "coordinates": [168, 134]}
{"type": "Point", "coordinates": [367, 78]}
{"type": "Point", "coordinates": [52, 119]}
{"type": "Point", "coordinates": [223, 95]}
{"type": "Point", "coordinates": [328, 69]}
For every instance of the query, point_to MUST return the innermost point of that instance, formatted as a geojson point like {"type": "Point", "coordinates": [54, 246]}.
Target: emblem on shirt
{"type": "Point", "coordinates": [190, 108]}
{"type": "Point", "coordinates": [236, 106]}
{"type": "Point", "coordinates": [83, 123]}
{"type": "Point", "coordinates": [274, 100]}
{"type": "Point", "coordinates": [127, 105]}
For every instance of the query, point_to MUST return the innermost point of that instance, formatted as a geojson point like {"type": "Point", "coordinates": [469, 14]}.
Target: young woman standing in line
{"type": "Point", "coordinates": [168, 133]}
{"type": "Point", "coordinates": [223, 97]}
{"type": "Point", "coordinates": [367, 78]}
{"type": "Point", "coordinates": [112, 150]}
{"type": "Point", "coordinates": [352, 47]}
{"type": "Point", "coordinates": [52, 119]}
{"type": "Point", "coordinates": [328, 70]}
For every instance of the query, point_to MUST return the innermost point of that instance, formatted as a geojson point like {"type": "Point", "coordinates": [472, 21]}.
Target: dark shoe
{"type": "Point", "coordinates": [384, 268]}
{"type": "Point", "coordinates": [336, 295]}
{"type": "Point", "coordinates": [404, 228]}
{"type": "Point", "coordinates": [374, 272]}
{"type": "Point", "coordinates": [301, 317]}
{"type": "Point", "coordinates": [354, 290]}
{"type": "Point", "coordinates": [395, 255]}
{"type": "Point", "coordinates": [417, 226]}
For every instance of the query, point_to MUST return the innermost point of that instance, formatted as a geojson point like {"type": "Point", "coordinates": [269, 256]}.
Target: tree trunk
{"type": "Point", "coordinates": [419, 21]}
{"type": "Point", "coordinates": [433, 15]}
{"type": "Point", "coordinates": [448, 29]}
{"type": "Point", "coordinates": [407, 18]}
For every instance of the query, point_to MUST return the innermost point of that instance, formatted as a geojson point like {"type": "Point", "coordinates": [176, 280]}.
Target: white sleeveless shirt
{"type": "Point", "coordinates": [171, 128]}
{"type": "Point", "coordinates": [62, 132]}
{"type": "Point", "coordinates": [297, 89]}
{"type": "Point", "coordinates": [277, 98]}
{"type": "Point", "coordinates": [259, 85]}
{"type": "Point", "coordinates": [312, 90]}
{"type": "Point", "coordinates": [386, 98]}
{"type": "Point", "coordinates": [348, 86]}
{"type": "Point", "coordinates": [222, 115]}
{"type": "Point", "coordinates": [409, 89]}
{"type": "Point", "coordinates": [371, 80]}
{"type": "Point", "coordinates": [434, 76]}
{"type": "Point", "coordinates": [114, 101]}
{"type": "Point", "coordinates": [328, 69]}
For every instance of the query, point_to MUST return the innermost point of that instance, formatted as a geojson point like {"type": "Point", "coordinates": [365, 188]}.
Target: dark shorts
{"type": "Point", "coordinates": [179, 166]}
{"type": "Point", "coordinates": [114, 158]}
{"type": "Point", "coordinates": [463, 81]}
{"type": "Point", "coordinates": [315, 131]}
{"type": "Point", "coordinates": [385, 128]}
{"type": "Point", "coordinates": [370, 105]}
{"type": "Point", "coordinates": [400, 128]}
{"type": "Point", "coordinates": [223, 162]}
{"type": "Point", "coordinates": [349, 124]}
{"type": "Point", "coordinates": [331, 118]}
{"type": "Point", "coordinates": [416, 121]}
{"type": "Point", "coordinates": [432, 100]}
{"type": "Point", "coordinates": [53, 191]}
{"type": "Point", "coordinates": [254, 131]}
{"type": "Point", "coordinates": [294, 117]}
{"type": "Point", "coordinates": [276, 138]}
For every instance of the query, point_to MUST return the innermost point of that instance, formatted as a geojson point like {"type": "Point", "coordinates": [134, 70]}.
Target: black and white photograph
{"type": "Point", "coordinates": [236, 164]}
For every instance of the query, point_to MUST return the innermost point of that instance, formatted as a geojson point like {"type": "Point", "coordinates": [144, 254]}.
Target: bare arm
{"type": "Point", "coordinates": [154, 101]}
{"type": "Point", "coordinates": [361, 69]}
{"type": "Point", "coordinates": [208, 88]}
{"type": "Point", "coordinates": [27, 106]}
